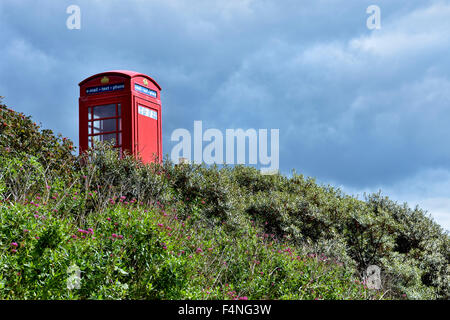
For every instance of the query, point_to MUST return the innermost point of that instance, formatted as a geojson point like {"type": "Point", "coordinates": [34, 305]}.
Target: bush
{"type": "Point", "coordinates": [165, 231]}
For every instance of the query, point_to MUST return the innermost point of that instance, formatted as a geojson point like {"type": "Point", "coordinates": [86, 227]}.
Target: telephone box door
{"type": "Point", "coordinates": [147, 140]}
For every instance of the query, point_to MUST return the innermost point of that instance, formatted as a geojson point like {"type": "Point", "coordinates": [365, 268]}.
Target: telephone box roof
{"type": "Point", "coordinates": [126, 73]}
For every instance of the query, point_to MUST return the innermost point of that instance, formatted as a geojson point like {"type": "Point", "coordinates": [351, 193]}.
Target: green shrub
{"type": "Point", "coordinates": [165, 231]}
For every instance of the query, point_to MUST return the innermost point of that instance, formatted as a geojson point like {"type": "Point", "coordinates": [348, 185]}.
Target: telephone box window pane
{"type": "Point", "coordinates": [105, 111]}
{"type": "Point", "coordinates": [120, 138]}
{"type": "Point", "coordinates": [118, 110]}
{"type": "Point", "coordinates": [101, 126]}
{"type": "Point", "coordinates": [106, 137]}
{"type": "Point", "coordinates": [89, 113]}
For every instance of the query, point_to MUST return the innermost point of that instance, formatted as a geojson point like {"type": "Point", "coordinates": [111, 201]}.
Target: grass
{"type": "Point", "coordinates": [129, 251]}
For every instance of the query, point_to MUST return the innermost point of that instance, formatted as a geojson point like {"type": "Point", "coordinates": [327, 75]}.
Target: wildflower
{"type": "Point", "coordinates": [198, 250]}
{"type": "Point", "coordinates": [120, 236]}
{"type": "Point", "coordinates": [13, 250]}
{"type": "Point", "coordinates": [74, 236]}
{"type": "Point", "coordinates": [90, 230]}
{"type": "Point", "coordinates": [114, 235]}
{"type": "Point", "coordinates": [25, 230]}
{"type": "Point", "coordinates": [243, 298]}
{"type": "Point", "coordinates": [14, 244]}
{"type": "Point", "coordinates": [160, 225]}
{"type": "Point", "coordinates": [37, 237]}
{"type": "Point", "coordinates": [109, 219]}
{"type": "Point", "coordinates": [48, 187]}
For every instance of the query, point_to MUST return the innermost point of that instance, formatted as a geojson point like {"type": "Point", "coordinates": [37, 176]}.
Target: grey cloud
{"type": "Point", "coordinates": [353, 106]}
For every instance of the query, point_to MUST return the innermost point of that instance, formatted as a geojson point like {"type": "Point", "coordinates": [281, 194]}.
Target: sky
{"type": "Point", "coordinates": [361, 109]}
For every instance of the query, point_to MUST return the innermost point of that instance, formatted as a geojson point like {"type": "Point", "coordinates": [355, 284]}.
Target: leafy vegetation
{"type": "Point", "coordinates": [165, 231]}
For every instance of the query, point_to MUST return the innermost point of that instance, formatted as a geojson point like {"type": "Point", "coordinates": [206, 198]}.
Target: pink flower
{"type": "Point", "coordinates": [14, 244]}
{"type": "Point", "coordinates": [13, 250]}
{"type": "Point", "coordinates": [120, 236]}
{"type": "Point", "coordinates": [114, 235]}
{"type": "Point", "coordinates": [243, 298]}
{"type": "Point", "coordinates": [198, 250]}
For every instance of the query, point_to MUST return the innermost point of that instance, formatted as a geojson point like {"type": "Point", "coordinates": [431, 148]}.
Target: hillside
{"type": "Point", "coordinates": [193, 232]}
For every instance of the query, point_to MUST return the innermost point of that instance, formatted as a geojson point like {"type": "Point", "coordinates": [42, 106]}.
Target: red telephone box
{"type": "Point", "coordinates": [123, 107]}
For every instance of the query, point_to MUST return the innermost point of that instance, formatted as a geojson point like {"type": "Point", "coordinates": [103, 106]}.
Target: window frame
{"type": "Point", "coordinates": [118, 127]}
